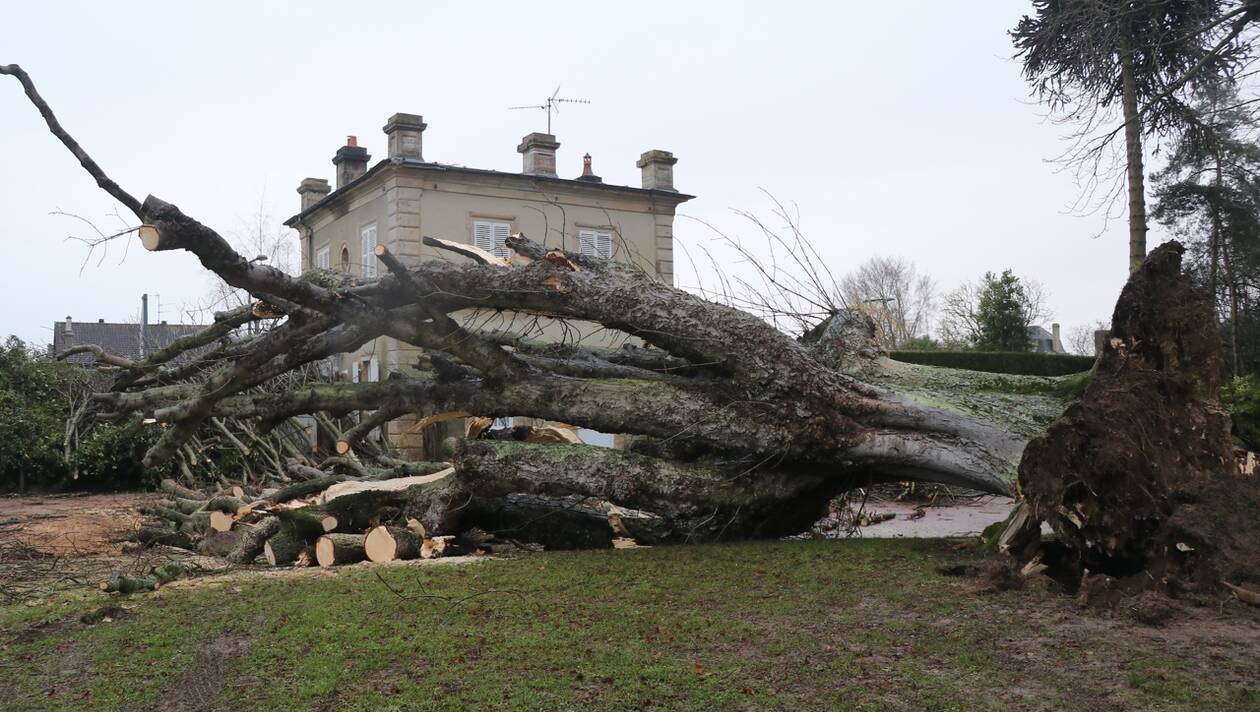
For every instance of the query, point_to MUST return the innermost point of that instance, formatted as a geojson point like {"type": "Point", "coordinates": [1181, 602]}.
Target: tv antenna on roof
{"type": "Point", "coordinates": [552, 103]}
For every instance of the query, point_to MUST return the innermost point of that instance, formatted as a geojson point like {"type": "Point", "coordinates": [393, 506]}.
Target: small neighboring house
{"type": "Point", "coordinates": [1046, 342]}
{"type": "Point", "coordinates": [403, 197]}
{"type": "Point", "coordinates": [131, 341]}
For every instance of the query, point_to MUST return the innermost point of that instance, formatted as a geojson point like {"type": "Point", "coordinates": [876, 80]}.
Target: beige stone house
{"type": "Point", "coordinates": [403, 197]}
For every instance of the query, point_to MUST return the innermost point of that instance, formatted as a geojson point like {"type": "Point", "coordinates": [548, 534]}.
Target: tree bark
{"type": "Point", "coordinates": [1133, 156]}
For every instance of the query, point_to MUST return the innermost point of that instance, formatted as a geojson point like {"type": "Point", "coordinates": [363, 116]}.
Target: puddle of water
{"type": "Point", "coordinates": [967, 519]}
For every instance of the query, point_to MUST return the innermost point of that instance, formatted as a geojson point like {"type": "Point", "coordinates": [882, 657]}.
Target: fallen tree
{"type": "Point", "coordinates": [740, 429]}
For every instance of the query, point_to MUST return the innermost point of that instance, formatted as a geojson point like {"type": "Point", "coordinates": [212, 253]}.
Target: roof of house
{"type": "Point", "coordinates": [117, 339]}
{"type": "Point", "coordinates": [1039, 332]}
{"type": "Point", "coordinates": [586, 185]}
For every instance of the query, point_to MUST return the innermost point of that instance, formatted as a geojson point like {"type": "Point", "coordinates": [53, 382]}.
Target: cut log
{"type": "Point", "coordinates": [175, 489]}
{"type": "Point", "coordinates": [337, 549]}
{"type": "Point", "coordinates": [164, 536]}
{"type": "Point", "coordinates": [284, 548]}
{"type": "Point", "coordinates": [384, 544]}
{"type": "Point", "coordinates": [253, 541]}
{"type": "Point", "coordinates": [221, 522]}
{"type": "Point", "coordinates": [309, 522]}
{"type": "Point", "coordinates": [216, 543]}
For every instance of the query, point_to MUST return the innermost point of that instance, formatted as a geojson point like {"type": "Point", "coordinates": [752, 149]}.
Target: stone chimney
{"type": "Point", "coordinates": [1057, 345]}
{"type": "Point", "coordinates": [69, 326]}
{"type": "Point", "coordinates": [405, 133]}
{"type": "Point", "coordinates": [588, 175]}
{"type": "Point", "coordinates": [312, 191]}
{"type": "Point", "coordinates": [538, 151]}
{"type": "Point", "coordinates": [658, 169]}
{"type": "Point", "coordinates": [351, 161]}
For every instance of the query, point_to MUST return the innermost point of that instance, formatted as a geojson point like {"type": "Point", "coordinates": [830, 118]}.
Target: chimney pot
{"type": "Point", "coordinates": [351, 161]}
{"type": "Point", "coordinates": [658, 169]}
{"type": "Point", "coordinates": [405, 134]}
{"type": "Point", "coordinates": [538, 154]}
{"type": "Point", "coordinates": [100, 321]}
{"type": "Point", "coordinates": [588, 175]}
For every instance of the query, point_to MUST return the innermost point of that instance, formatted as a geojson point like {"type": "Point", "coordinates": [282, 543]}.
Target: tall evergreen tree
{"type": "Point", "coordinates": [1083, 57]}
{"type": "Point", "coordinates": [1209, 196]}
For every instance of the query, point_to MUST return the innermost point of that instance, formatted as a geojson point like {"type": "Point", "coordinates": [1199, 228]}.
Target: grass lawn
{"type": "Point", "coordinates": [785, 625]}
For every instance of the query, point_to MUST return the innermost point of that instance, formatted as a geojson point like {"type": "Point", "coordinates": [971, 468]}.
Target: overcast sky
{"type": "Point", "coordinates": [897, 128]}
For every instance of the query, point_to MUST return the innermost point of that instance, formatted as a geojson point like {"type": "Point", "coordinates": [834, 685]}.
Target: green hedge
{"type": "Point", "coordinates": [1024, 364]}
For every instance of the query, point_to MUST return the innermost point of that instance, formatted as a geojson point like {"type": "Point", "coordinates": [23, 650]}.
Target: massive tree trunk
{"type": "Point", "coordinates": [739, 429]}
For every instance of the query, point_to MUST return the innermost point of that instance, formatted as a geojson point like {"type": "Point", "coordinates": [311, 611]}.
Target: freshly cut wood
{"type": "Point", "coordinates": [221, 522]}
{"type": "Point", "coordinates": [436, 547]}
{"type": "Point", "coordinates": [470, 251]}
{"type": "Point", "coordinates": [416, 527]}
{"type": "Point", "coordinates": [336, 549]}
{"type": "Point", "coordinates": [384, 544]}
{"type": "Point", "coordinates": [238, 492]}
{"type": "Point", "coordinates": [149, 237]}
{"type": "Point", "coordinates": [397, 484]}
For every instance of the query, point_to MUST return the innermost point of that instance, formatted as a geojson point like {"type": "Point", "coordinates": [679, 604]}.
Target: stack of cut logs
{"type": "Point", "coordinates": [328, 519]}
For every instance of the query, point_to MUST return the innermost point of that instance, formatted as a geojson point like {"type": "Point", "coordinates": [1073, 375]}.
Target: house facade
{"type": "Point", "coordinates": [403, 197]}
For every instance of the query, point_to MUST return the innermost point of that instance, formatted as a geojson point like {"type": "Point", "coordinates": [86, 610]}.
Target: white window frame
{"type": "Point", "coordinates": [323, 256]}
{"type": "Point", "coordinates": [491, 236]}
{"type": "Point", "coordinates": [595, 243]}
{"type": "Point", "coordinates": [367, 243]}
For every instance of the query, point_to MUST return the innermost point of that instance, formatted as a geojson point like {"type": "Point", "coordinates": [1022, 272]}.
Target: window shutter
{"type": "Point", "coordinates": [492, 237]}
{"type": "Point", "coordinates": [374, 370]}
{"type": "Point", "coordinates": [483, 236]}
{"type": "Point", "coordinates": [501, 233]}
{"type": "Point", "coordinates": [368, 243]}
{"type": "Point", "coordinates": [321, 258]}
{"type": "Point", "coordinates": [595, 243]}
{"type": "Point", "coordinates": [354, 372]}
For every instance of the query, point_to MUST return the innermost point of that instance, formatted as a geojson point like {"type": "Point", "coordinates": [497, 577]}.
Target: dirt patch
{"type": "Point", "coordinates": [202, 683]}
{"type": "Point", "coordinates": [79, 525]}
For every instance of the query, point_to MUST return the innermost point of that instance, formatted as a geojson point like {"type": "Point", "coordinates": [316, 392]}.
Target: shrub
{"type": "Point", "coordinates": [1016, 363]}
{"type": "Point", "coordinates": [1241, 397]}
{"type": "Point", "coordinates": [33, 409]}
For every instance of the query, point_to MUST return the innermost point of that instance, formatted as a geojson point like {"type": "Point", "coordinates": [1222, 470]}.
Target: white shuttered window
{"type": "Point", "coordinates": [321, 258]}
{"type": "Point", "coordinates": [492, 236]}
{"type": "Point", "coordinates": [367, 236]}
{"type": "Point", "coordinates": [595, 243]}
